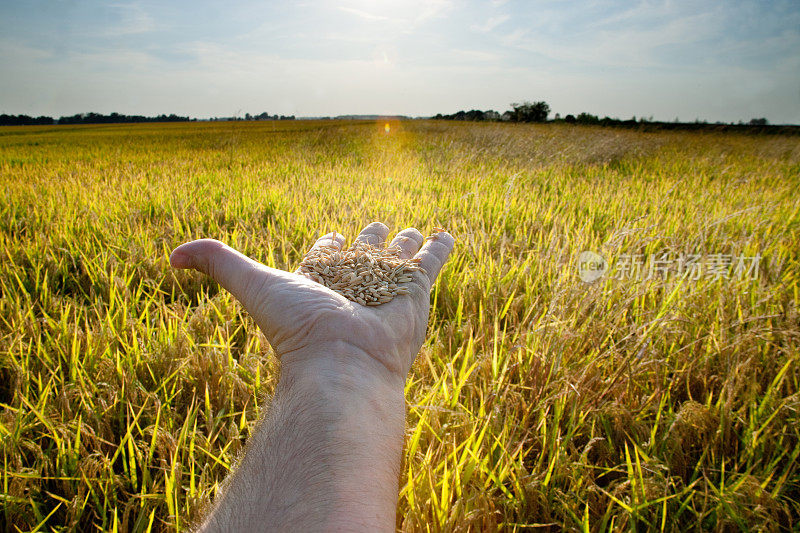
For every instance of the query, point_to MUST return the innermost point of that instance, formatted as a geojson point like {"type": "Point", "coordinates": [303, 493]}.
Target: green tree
{"type": "Point", "coordinates": [530, 112]}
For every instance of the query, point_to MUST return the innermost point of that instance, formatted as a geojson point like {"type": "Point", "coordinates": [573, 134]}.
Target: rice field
{"type": "Point", "coordinates": [662, 396]}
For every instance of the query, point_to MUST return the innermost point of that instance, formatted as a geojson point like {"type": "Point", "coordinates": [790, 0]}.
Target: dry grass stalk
{"type": "Point", "coordinates": [362, 273]}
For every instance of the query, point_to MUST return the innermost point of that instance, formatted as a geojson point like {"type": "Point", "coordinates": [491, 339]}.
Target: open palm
{"type": "Point", "coordinates": [303, 319]}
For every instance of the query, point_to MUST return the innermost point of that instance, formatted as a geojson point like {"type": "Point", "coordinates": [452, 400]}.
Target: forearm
{"type": "Point", "coordinates": [326, 456]}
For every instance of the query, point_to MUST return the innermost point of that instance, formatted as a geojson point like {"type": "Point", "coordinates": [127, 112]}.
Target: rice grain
{"type": "Point", "coordinates": [362, 273]}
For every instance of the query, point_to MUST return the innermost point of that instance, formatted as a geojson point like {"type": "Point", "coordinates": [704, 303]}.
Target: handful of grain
{"type": "Point", "coordinates": [362, 273]}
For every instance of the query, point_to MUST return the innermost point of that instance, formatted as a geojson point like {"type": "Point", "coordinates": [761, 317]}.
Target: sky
{"type": "Point", "coordinates": [708, 60]}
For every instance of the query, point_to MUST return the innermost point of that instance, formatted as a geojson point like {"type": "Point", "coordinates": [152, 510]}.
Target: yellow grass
{"type": "Point", "coordinates": [127, 388]}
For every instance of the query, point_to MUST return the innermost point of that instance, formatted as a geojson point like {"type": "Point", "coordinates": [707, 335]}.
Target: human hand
{"type": "Point", "coordinates": [308, 324]}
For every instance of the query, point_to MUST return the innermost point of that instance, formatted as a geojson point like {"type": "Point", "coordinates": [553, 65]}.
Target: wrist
{"type": "Point", "coordinates": [343, 367]}
{"type": "Point", "coordinates": [354, 389]}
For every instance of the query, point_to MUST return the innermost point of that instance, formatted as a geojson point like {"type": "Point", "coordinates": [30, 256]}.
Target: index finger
{"type": "Point", "coordinates": [433, 254]}
{"type": "Point", "coordinates": [332, 240]}
{"type": "Point", "coordinates": [374, 234]}
{"type": "Point", "coordinates": [329, 240]}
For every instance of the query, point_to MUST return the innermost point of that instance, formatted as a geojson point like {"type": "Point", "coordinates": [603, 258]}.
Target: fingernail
{"type": "Point", "coordinates": [180, 260]}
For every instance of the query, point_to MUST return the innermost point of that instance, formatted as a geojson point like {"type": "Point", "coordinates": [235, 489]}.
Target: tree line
{"type": "Point", "coordinates": [85, 118]}
{"type": "Point", "coordinates": [117, 118]}
{"type": "Point", "coordinates": [540, 112]}
{"type": "Point", "coordinates": [535, 112]}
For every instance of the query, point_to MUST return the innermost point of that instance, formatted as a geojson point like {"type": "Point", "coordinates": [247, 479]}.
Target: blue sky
{"type": "Point", "coordinates": [711, 60]}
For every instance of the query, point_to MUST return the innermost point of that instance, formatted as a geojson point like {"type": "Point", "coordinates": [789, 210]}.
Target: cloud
{"type": "Point", "coordinates": [430, 9]}
{"type": "Point", "coordinates": [410, 13]}
{"type": "Point", "coordinates": [14, 53]}
{"type": "Point", "coordinates": [490, 24]}
{"type": "Point", "coordinates": [362, 14]}
{"type": "Point", "coordinates": [608, 42]}
{"type": "Point", "coordinates": [475, 55]}
{"type": "Point", "coordinates": [134, 20]}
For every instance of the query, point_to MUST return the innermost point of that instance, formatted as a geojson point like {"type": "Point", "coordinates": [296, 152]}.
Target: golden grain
{"type": "Point", "coordinates": [363, 273]}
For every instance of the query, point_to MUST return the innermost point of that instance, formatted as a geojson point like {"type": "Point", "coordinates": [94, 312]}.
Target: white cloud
{"type": "Point", "coordinates": [475, 55]}
{"type": "Point", "coordinates": [362, 14]}
{"type": "Point", "coordinates": [490, 24]}
{"type": "Point", "coordinates": [410, 13]}
{"type": "Point", "coordinates": [13, 53]}
{"type": "Point", "coordinates": [134, 19]}
{"type": "Point", "coordinates": [600, 45]}
{"type": "Point", "coordinates": [429, 9]}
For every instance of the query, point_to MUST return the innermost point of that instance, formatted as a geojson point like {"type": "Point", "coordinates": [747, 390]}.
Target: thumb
{"type": "Point", "coordinates": [226, 266]}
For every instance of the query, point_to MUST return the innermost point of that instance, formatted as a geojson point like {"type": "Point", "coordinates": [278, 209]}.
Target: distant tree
{"type": "Point", "coordinates": [116, 118]}
{"type": "Point", "coordinates": [758, 122]}
{"type": "Point", "coordinates": [24, 120]}
{"type": "Point", "coordinates": [587, 118]}
{"type": "Point", "coordinates": [569, 119]}
{"type": "Point", "coordinates": [474, 114]}
{"type": "Point", "coordinates": [530, 112]}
